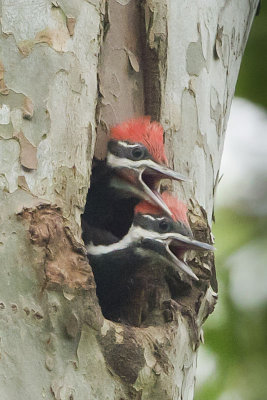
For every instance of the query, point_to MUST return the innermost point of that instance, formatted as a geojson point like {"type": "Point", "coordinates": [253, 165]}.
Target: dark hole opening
{"type": "Point", "coordinates": [130, 291]}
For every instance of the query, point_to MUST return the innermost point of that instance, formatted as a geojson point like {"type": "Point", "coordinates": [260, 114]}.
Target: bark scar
{"type": "Point", "coordinates": [65, 261]}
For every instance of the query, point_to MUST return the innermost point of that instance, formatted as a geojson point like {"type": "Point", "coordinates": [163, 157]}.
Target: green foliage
{"type": "Point", "coordinates": [236, 337]}
{"type": "Point", "coordinates": [252, 77]}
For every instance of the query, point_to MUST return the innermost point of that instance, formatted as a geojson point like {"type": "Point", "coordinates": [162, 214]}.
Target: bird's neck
{"type": "Point", "coordinates": [128, 240]}
{"type": "Point", "coordinates": [134, 240]}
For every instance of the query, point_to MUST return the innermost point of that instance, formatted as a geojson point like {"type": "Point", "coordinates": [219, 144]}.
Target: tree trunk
{"type": "Point", "coordinates": [68, 70]}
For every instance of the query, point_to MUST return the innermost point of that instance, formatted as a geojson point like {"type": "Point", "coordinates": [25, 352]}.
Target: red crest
{"type": "Point", "coordinates": [142, 130]}
{"type": "Point", "coordinates": [178, 208]}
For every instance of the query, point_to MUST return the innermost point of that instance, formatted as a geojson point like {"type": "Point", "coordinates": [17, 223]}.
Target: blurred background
{"type": "Point", "coordinates": [232, 363]}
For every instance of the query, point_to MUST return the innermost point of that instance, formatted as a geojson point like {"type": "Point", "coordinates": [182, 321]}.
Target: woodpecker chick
{"type": "Point", "coordinates": [136, 152]}
{"type": "Point", "coordinates": [153, 238]}
{"type": "Point", "coordinates": [136, 162]}
{"type": "Point", "coordinates": [171, 237]}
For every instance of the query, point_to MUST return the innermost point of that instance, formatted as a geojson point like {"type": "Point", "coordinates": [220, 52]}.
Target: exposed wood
{"type": "Point", "coordinates": [120, 73]}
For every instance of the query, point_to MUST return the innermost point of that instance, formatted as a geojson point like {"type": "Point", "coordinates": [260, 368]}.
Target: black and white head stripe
{"type": "Point", "coordinates": [138, 233]}
{"type": "Point", "coordinates": [162, 224]}
{"type": "Point", "coordinates": [134, 235]}
{"type": "Point", "coordinates": [147, 165]}
{"type": "Point", "coordinates": [124, 162]}
{"type": "Point", "coordinates": [169, 246]}
{"type": "Point", "coordinates": [134, 152]}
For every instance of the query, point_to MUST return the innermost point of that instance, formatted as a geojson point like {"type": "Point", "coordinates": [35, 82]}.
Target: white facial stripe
{"type": "Point", "coordinates": [148, 217]}
{"type": "Point", "coordinates": [135, 233]}
{"type": "Point", "coordinates": [124, 144]}
{"type": "Point", "coordinates": [153, 218]}
{"type": "Point", "coordinates": [132, 235]}
{"type": "Point", "coordinates": [102, 249]}
{"type": "Point", "coordinates": [115, 161]}
{"type": "Point", "coordinates": [139, 233]}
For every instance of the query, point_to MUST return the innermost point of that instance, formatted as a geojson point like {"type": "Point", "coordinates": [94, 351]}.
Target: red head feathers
{"type": "Point", "coordinates": [178, 209]}
{"type": "Point", "coordinates": [142, 130]}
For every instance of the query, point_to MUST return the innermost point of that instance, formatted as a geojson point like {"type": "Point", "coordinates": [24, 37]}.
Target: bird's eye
{"type": "Point", "coordinates": [137, 153]}
{"type": "Point", "coordinates": [164, 225]}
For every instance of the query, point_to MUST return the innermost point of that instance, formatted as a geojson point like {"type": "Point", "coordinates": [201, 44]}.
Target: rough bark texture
{"type": "Point", "coordinates": [69, 69]}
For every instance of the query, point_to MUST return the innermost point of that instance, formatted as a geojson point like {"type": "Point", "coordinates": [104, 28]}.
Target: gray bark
{"type": "Point", "coordinates": [69, 69]}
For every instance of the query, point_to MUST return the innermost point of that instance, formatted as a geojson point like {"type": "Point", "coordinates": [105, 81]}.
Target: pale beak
{"type": "Point", "coordinates": [181, 264]}
{"type": "Point", "coordinates": [143, 178]}
{"type": "Point", "coordinates": [163, 172]}
{"type": "Point", "coordinates": [188, 243]}
{"type": "Point", "coordinates": [176, 248]}
{"type": "Point", "coordinates": [153, 196]}
{"type": "Point", "coordinates": [153, 175]}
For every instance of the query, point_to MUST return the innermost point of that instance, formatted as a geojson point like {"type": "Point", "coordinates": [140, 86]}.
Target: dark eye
{"type": "Point", "coordinates": [164, 225]}
{"type": "Point", "coordinates": [137, 153]}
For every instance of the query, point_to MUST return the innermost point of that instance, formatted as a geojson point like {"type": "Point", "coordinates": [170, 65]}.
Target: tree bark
{"type": "Point", "coordinates": [68, 70]}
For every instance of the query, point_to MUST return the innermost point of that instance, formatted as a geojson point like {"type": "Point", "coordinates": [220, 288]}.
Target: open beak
{"type": "Point", "coordinates": [149, 178]}
{"type": "Point", "coordinates": [163, 172]}
{"type": "Point", "coordinates": [176, 248]}
{"type": "Point", "coordinates": [143, 178]}
{"type": "Point", "coordinates": [153, 196]}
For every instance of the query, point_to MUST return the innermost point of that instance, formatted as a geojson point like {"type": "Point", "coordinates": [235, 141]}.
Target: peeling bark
{"type": "Point", "coordinates": [68, 70]}
{"type": "Point", "coordinates": [65, 261]}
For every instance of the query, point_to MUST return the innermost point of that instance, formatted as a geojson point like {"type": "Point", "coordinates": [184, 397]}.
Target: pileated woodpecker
{"type": "Point", "coordinates": [135, 164]}
{"type": "Point", "coordinates": [153, 238]}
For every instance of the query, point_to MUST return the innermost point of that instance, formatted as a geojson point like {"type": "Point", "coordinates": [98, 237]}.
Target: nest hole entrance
{"type": "Point", "coordinates": [129, 291]}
